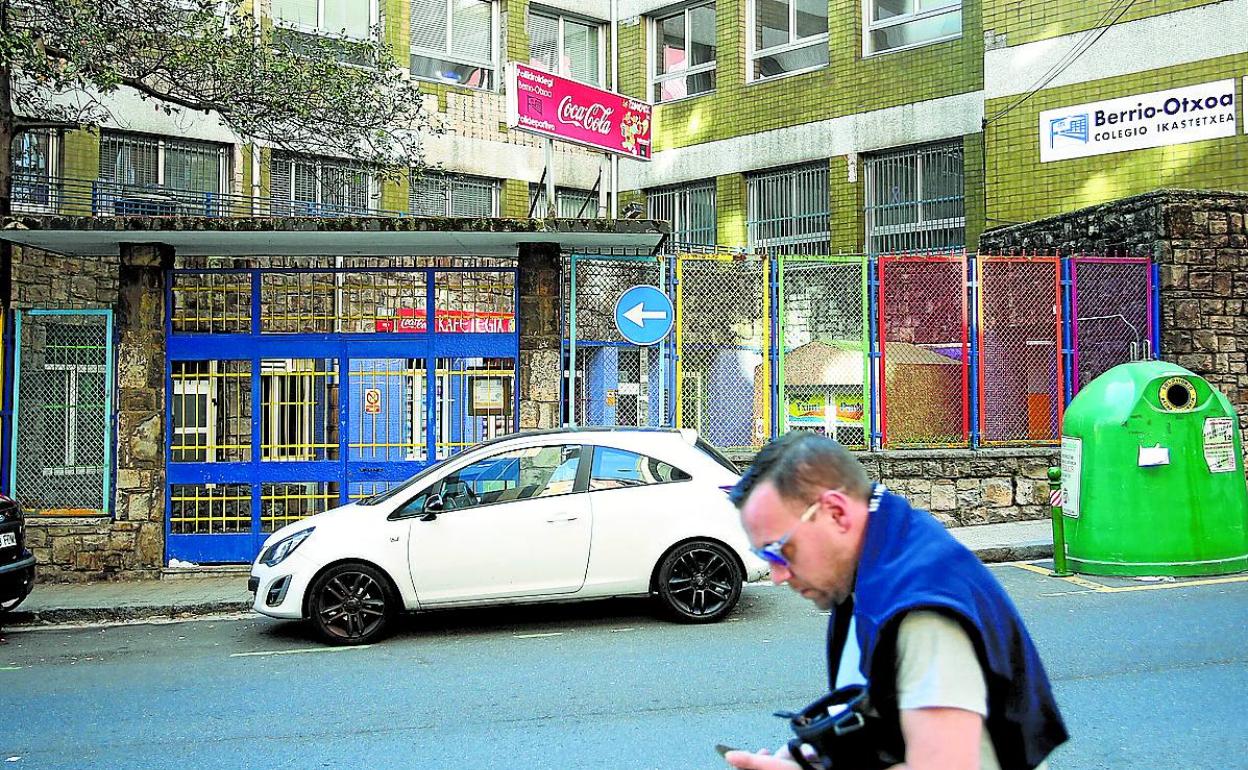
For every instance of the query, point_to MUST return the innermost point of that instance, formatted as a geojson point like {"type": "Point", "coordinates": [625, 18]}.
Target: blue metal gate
{"type": "Point", "coordinates": [294, 390]}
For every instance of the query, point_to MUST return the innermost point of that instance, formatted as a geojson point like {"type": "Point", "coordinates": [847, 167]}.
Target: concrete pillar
{"type": "Point", "coordinates": [141, 397]}
{"type": "Point", "coordinates": [540, 352]}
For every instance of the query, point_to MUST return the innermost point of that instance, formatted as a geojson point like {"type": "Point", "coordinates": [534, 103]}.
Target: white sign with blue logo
{"type": "Point", "coordinates": [1157, 119]}
{"type": "Point", "coordinates": [644, 315]}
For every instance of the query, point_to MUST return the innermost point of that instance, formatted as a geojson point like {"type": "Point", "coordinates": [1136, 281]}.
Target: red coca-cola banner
{"type": "Point", "coordinates": [410, 321]}
{"type": "Point", "coordinates": [565, 109]}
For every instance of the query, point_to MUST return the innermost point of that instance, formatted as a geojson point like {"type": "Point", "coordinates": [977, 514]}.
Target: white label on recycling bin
{"type": "Point", "coordinates": [1220, 444]}
{"type": "Point", "coordinates": [1072, 469]}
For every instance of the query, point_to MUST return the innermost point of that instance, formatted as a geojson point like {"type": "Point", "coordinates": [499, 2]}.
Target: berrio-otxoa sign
{"type": "Point", "coordinates": [559, 108]}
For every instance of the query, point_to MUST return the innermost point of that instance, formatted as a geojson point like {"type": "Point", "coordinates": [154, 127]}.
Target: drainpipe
{"type": "Point", "coordinates": [615, 86]}
{"type": "Point", "coordinates": [255, 147]}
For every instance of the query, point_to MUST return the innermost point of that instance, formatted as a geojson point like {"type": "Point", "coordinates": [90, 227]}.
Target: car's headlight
{"type": "Point", "coordinates": [274, 554]}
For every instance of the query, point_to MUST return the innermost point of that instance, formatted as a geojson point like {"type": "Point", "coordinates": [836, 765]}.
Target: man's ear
{"type": "Point", "coordinates": [836, 506]}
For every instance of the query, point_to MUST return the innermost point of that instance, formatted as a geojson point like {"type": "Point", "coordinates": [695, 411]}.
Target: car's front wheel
{"type": "Point", "coordinates": [8, 605]}
{"type": "Point", "coordinates": [351, 604]}
{"type": "Point", "coordinates": [699, 582]}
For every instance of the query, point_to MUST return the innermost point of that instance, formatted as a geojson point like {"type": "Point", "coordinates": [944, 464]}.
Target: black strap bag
{"type": "Point", "coordinates": [844, 732]}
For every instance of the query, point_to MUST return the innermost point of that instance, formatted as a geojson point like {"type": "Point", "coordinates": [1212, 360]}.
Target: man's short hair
{"type": "Point", "coordinates": [801, 464]}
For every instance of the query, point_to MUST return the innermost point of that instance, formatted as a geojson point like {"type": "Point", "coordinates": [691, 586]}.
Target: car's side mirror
{"type": "Point", "coordinates": [434, 505]}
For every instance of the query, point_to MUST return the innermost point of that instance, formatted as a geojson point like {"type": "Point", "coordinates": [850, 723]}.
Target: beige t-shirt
{"type": "Point", "coordinates": [937, 667]}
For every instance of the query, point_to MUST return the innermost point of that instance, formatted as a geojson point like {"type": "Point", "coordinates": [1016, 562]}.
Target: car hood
{"type": "Point", "coordinates": [328, 521]}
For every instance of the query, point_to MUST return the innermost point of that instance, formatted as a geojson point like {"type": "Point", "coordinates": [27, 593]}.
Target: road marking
{"type": "Point", "coordinates": [618, 630]}
{"type": "Point", "coordinates": [537, 636]}
{"type": "Point", "coordinates": [264, 653]}
{"type": "Point", "coordinates": [1104, 589]}
{"type": "Point", "coordinates": [10, 668]}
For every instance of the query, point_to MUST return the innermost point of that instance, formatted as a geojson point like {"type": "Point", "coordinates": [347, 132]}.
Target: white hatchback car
{"type": "Point", "coordinates": [559, 515]}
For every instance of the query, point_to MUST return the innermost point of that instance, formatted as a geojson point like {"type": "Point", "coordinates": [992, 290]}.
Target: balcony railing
{"type": "Point", "coordinates": [81, 197]}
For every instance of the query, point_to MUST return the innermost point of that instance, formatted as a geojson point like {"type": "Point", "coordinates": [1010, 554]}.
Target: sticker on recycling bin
{"type": "Point", "coordinates": [1220, 444]}
{"type": "Point", "coordinates": [1072, 467]}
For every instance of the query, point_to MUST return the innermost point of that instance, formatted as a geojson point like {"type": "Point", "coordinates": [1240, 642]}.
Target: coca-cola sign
{"type": "Point", "coordinates": [565, 109]}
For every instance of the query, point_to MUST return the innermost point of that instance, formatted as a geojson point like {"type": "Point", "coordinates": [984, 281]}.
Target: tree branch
{"type": "Point", "coordinates": [139, 85]}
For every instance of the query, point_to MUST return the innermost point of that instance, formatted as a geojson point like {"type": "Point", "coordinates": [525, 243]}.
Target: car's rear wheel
{"type": "Point", "coordinates": [352, 604]}
{"type": "Point", "coordinates": [9, 605]}
{"type": "Point", "coordinates": [699, 582]}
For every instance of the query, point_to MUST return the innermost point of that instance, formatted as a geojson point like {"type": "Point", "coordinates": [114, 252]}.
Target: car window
{"type": "Point", "coordinates": [518, 474]}
{"type": "Point", "coordinates": [618, 468]}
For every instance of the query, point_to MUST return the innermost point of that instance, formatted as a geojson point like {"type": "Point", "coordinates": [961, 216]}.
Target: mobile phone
{"type": "Point", "coordinates": [722, 749]}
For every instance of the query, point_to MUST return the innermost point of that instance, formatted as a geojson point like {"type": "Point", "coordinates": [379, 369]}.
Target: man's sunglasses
{"type": "Point", "coordinates": [773, 552]}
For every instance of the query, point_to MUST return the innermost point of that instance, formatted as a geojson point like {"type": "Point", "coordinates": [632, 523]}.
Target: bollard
{"type": "Point", "coordinates": [1059, 535]}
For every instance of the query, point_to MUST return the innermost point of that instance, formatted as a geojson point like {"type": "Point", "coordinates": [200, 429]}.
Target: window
{"type": "Point", "coordinates": [684, 53]}
{"type": "Point", "coordinates": [153, 176]}
{"type": "Point", "coordinates": [617, 468]}
{"type": "Point", "coordinates": [915, 201]}
{"type": "Point", "coordinates": [453, 41]}
{"type": "Point", "coordinates": [34, 172]}
{"type": "Point", "coordinates": [446, 195]}
{"type": "Point", "coordinates": [566, 46]}
{"type": "Point", "coordinates": [894, 24]}
{"type": "Point", "coordinates": [787, 211]}
{"type": "Point", "coordinates": [689, 208]}
{"type": "Point", "coordinates": [519, 474]}
{"type": "Point", "coordinates": [569, 203]}
{"type": "Point", "coordinates": [320, 187]}
{"type": "Point", "coordinates": [348, 18]}
{"type": "Point", "coordinates": [787, 36]}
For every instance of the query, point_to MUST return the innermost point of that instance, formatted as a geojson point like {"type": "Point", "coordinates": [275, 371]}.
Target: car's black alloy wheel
{"type": "Point", "coordinates": [11, 604]}
{"type": "Point", "coordinates": [351, 604]}
{"type": "Point", "coordinates": [699, 582]}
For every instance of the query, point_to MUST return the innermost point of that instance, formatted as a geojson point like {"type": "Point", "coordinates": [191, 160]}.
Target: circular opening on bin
{"type": "Point", "coordinates": [1178, 395]}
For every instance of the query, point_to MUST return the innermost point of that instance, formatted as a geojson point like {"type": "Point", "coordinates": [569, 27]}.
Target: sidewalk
{"type": "Point", "coordinates": [186, 596]}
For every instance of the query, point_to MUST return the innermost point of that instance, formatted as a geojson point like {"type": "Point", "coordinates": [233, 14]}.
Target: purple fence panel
{"type": "Point", "coordinates": [1111, 321]}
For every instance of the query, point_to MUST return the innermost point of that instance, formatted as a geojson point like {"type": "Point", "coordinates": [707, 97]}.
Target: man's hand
{"type": "Point", "coordinates": [762, 760]}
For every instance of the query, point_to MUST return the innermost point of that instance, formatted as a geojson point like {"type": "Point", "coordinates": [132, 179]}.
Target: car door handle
{"type": "Point", "coordinates": [558, 519]}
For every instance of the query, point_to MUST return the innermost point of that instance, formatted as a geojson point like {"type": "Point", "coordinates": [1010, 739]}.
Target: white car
{"type": "Point", "coordinates": [559, 515]}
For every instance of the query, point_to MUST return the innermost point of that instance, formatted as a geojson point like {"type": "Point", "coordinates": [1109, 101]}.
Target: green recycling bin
{"type": "Point", "coordinates": [1153, 476]}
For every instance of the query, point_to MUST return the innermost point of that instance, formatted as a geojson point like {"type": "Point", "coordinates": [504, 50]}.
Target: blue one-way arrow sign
{"type": "Point", "coordinates": [643, 314]}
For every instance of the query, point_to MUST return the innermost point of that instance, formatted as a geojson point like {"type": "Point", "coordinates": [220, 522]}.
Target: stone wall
{"type": "Point", "coordinates": [540, 345]}
{"type": "Point", "coordinates": [1200, 241]}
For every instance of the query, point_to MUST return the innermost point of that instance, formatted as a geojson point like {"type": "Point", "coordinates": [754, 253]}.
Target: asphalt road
{"type": "Point", "coordinates": [1152, 678]}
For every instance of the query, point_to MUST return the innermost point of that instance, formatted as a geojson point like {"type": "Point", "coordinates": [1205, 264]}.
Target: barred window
{"type": "Point", "coordinates": [788, 211]}
{"type": "Point", "coordinates": [34, 164]}
{"type": "Point", "coordinates": [449, 195]}
{"type": "Point", "coordinates": [896, 24]}
{"type": "Point", "coordinates": [915, 200]}
{"type": "Point", "coordinates": [689, 208]}
{"type": "Point", "coordinates": [569, 203]}
{"type": "Point", "coordinates": [566, 46]}
{"type": "Point", "coordinates": [453, 41]}
{"type": "Point", "coordinates": [787, 36]}
{"type": "Point", "coordinates": [684, 53]}
{"type": "Point", "coordinates": [302, 186]}
{"type": "Point", "coordinates": [350, 18]}
{"type": "Point", "coordinates": [152, 176]}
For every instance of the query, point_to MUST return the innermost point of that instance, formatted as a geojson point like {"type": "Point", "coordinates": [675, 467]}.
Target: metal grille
{"type": "Point", "coordinates": [441, 195]}
{"type": "Point", "coordinates": [722, 333]}
{"type": "Point", "coordinates": [62, 431]}
{"type": "Point", "coordinates": [690, 209]}
{"type": "Point", "coordinates": [569, 203]}
{"type": "Point", "coordinates": [915, 200]}
{"type": "Point", "coordinates": [214, 303]}
{"type": "Point", "coordinates": [616, 382]}
{"type": "Point", "coordinates": [210, 411]}
{"type": "Point", "coordinates": [318, 187]}
{"type": "Point", "coordinates": [153, 176]}
{"type": "Point", "coordinates": [370, 302]}
{"type": "Point", "coordinates": [789, 211]}
{"type": "Point", "coordinates": [387, 401]}
{"type": "Point", "coordinates": [1110, 300]}
{"type": "Point", "coordinates": [299, 409]}
{"type": "Point", "coordinates": [476, 301]}
{"type": "Point", "coordinates": [824, 349]}
{"type": "Point", "coordinates": [475, 401]}
{"type": "Point", "coordinates": [34, 172]}
{"type": "Point", "coordinates": [923, 339]}
{"type": "Point", "coordinates": [203, 509]}
{"type": "Point", "coordinates": [1019, 336]}
{"type": "Point", "coordinates": [283, 503]}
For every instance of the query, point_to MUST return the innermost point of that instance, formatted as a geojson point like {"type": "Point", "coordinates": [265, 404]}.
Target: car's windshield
{"type": "Point", "coordinates": [716, 455]}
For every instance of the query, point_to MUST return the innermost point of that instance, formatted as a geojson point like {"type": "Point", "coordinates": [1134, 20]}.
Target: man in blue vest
{"type": "Point", "coordinates": [948, 665]}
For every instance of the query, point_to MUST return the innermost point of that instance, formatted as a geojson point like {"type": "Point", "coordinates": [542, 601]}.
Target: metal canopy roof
{"type": "Point", "coordinates": [339, 236]}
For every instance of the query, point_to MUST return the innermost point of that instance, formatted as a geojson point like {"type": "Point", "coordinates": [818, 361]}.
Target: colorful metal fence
{"type": "Point", "coordinates": [1112, 316]}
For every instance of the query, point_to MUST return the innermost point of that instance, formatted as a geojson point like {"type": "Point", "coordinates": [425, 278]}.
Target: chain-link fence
{"type": "Point", "coordinates": [62, 434]}
{"type": "Point", "coordinates": [724, 388]}
{"type": "Point", "coordinates": [824, 348]}
{"type": "Point", "coordinates": [923, 345]}
{"type": "Point", "coordinates": [1111, 320]}
{"type": "Point", "coordinates": [612, 381]}
{"type": "Point", "coordinates": [1020, 349]}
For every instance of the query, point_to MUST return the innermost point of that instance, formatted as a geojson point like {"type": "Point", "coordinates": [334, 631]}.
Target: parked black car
{"type": "Point", "coordinates": [17, 564]}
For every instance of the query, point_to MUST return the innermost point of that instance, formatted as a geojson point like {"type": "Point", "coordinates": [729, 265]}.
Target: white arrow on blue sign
{"type": "Point", "coordinates": [644, 315]}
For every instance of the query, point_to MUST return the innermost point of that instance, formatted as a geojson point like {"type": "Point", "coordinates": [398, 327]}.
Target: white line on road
{"type": "Point", "coordinates": [537, 636]}
{"type": "Point", "coordinates": [618, 630]}
{"type": "Point", "coordinates": [263, 653]}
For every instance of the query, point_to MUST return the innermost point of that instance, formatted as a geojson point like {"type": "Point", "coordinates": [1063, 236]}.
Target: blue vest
{"type": "Point", "coordinates": [910, 562]}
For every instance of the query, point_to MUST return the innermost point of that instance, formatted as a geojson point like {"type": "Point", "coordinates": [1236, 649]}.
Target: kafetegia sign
{"type": "Point", "coordinates": [1173, 116]}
